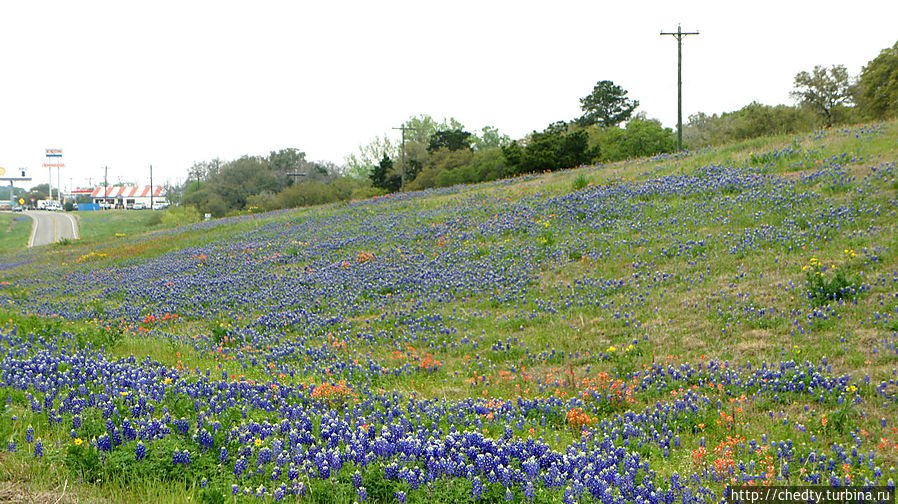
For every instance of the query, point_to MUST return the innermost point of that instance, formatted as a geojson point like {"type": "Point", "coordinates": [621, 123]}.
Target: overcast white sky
{"type": "Point", "coordinates": [126, 84]}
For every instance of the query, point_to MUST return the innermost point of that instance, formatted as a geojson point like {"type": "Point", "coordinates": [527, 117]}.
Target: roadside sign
{"type": "Point", "coordinates": [21, 201]}
{"type": "Point", "coordinates": [2, 171]}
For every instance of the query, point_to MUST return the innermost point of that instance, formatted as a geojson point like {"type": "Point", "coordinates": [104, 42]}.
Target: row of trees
{"type": "Point", "coordinates": [283, 179]}
{"type": "Point", "coordinates": [439, 154]}
{"type": "Point", "coordinates": [444, 153]}
{"type": "Point", "coordinates": [824, 96]}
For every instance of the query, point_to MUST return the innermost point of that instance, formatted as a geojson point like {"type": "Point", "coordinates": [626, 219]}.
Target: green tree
{"type": "Point", "coordinates": [552, 149]}
{"type": "Point", "coordinates": [484, 166]}
{"type": "Point", "coordinates": [360, 164]}
{"type": "Point", "coordinates": [450, 139]}
{"type": "Point", "coordinates": [823, 90]}
{"type": "Point", "coordinates": [440, 160]}
{"type": "Point", "coordinates": [878, 85]}
{"type": "Point", "coordinates": [380, 172]}
{"type": "Point", "coordinates": [606, 106]}
{"type": "Point", "coordinates": [489, 138]}
{"type": "Point", "coordinates": [38, 192]}
{"type": "Point", "coordinates": [287, 160]}
{"type": "Point", "coordinates": [423, 127]}
{"type": "Point", "coordinates": [642, 137]}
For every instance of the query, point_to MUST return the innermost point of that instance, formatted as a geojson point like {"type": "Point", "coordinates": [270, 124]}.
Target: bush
{"type": "Point", "coordinates": [641, 137]}
{"type": "Point", "coordinates": [180, 216]}
{"type": "Point", "coordinates": [484, 166]}
{"type": "Point", "coordinates": [306, 194]}
{"type": "Point", "coordinates": [551, 150]}
{"type": "Point", "coordinates": [751, 121]}
{"type": "Point", "coordinates": [154, 220]}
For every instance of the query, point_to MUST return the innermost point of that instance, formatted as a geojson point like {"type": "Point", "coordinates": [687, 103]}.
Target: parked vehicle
{"type": "Point", "coordinates": [160, 205]}
{"type": "Point", "coordinates": [51, 205]}
{"type": "Point", "coordinates": [139, 206]}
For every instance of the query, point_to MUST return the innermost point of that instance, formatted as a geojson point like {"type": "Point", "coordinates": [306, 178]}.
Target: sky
{"type": "Point", "coordinates": [128, 84]}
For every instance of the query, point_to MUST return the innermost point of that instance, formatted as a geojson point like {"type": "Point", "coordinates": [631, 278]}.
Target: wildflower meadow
{"type": "Point", "coordinates": [648, 331]}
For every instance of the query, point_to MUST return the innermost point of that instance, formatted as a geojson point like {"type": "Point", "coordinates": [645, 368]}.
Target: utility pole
{"type": "Point", "coordinates": [151, 187]}
{"type": "Point", "coordinates": [679, 34]}
{"type": "Point", "coordinates": [402, 153]}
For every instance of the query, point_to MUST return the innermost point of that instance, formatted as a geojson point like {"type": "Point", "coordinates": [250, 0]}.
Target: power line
{"type": "Point", "coordinates": [679, 34]}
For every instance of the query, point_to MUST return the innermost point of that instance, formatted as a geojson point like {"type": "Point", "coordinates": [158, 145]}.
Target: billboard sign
{"type": "Point", "coordinates": [53, 152]}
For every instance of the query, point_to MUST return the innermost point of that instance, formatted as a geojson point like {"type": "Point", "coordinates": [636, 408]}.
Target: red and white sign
{"type": "Point", "coordinates": [53, 152]}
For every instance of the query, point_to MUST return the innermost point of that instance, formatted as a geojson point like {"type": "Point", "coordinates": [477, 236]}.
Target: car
{"type": "Point", "coordinates": [17, 208]}
{"type": "Point", "coordinates": [160, 205]}
{"type": "Point", "coordinates": [139, 206]}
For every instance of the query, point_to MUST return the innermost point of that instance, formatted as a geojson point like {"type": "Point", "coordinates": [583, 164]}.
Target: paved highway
{"type": "Point", "coordinates": [51, 227]}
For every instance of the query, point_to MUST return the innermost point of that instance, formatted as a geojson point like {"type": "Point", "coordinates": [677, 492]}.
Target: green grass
{"type": "Point", "coordinates": [14, 231]}
{"type": "Point", "coordinates": [103, 224]}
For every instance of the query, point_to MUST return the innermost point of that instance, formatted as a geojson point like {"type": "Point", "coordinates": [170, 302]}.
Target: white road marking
{"type": "Point", "coordinates": [52, 215]}
{"type": "Point", "coordinates": [74, 225]}
{"type": "Point", "coordinates": [33, 229]}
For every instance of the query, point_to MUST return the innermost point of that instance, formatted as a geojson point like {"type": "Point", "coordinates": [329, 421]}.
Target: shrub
{"type": "Point", "coordinates": [154, 219]}
{"type": "Point", "coordinates": [180, 216]}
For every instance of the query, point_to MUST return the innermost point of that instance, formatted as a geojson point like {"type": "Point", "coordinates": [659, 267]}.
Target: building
{"type": "Point", "coordinates": [126, 196]}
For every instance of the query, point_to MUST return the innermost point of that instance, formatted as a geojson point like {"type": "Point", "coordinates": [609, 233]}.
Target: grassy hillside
{"type": "Point", "coordinates": [14, 231]}
{"type": "Point", "coordinates": [650, 330]}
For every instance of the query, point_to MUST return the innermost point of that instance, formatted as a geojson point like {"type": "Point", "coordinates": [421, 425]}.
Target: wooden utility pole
{"type": "Point", "coordinates": [679, 34]}
{"type": "Point", "coordinates": [151, 187]}
{"type": "Point", "coordinates": [402, 153]}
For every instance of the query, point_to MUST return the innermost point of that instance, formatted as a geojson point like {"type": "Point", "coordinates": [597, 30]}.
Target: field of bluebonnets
{"type": "Point", "coordinates": [648, 331]}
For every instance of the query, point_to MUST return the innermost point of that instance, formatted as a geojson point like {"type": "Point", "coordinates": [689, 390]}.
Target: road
{"type": "Point", "coordinates": [51, 227]}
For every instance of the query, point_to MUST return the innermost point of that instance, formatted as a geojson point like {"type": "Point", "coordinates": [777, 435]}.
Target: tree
{"type": "Point", "coordinates": [490, 138]}
{"type": "Point", "coordinates": [552, 149]}
{"type": "Point", "coordinates": [606, 106]}
{"type": "Point", "coordinates": [38, 192]}
{"type": "Point", "coordinates": [361, 164]}
{"type": "Point", "coordinates": [381, 173]}
{"type": "Point", "coordinates": [641, 137]}
{"type": "Point", "coordinates": [423, 127]}
{"type": "Point", "coordinates": [452, 139]}
{"type": "Point", "coordinates": [878, 85]}
{"type": "Point", "coordinates": [823, 90]}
